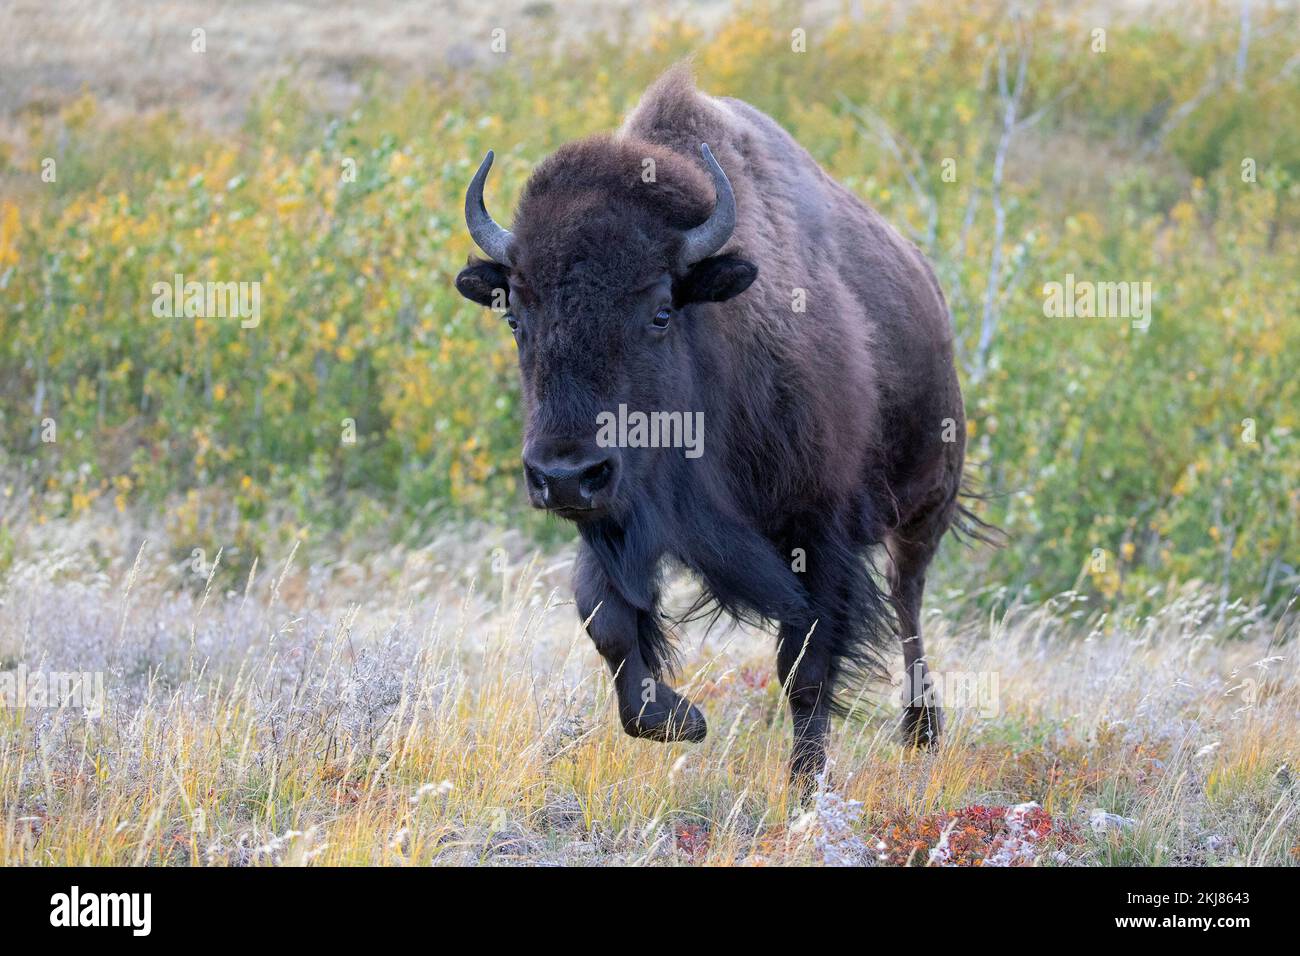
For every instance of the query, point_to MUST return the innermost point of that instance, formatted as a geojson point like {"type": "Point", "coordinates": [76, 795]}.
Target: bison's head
{"type": "Point", "coordinates": [614, 248]}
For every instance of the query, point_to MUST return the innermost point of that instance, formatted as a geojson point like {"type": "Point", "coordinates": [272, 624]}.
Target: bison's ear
{"type": "Point", "coordinates": [484, 282]}
{"type": "Point", "coordinates": [715, 279]}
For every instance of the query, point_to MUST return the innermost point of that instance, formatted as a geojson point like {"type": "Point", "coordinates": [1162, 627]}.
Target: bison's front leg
{"type": "Point", "coordinates": [803, 665]}
{"type": "Point", "coordinates": [626, 638]}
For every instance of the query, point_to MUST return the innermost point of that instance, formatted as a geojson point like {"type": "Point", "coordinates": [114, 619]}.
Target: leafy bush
{"type": "Point", "coordinates": [1118, 456]}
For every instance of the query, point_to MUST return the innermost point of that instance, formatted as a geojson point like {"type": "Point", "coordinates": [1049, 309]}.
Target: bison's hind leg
{"type": "Point", "coordinates": [910, 552]}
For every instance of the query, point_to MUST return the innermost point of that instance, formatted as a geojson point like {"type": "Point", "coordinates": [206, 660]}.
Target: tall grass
{"type": "Point", "coordinates": [1119, 457]}
{"type": "Point", "coordinates": [421, 708]}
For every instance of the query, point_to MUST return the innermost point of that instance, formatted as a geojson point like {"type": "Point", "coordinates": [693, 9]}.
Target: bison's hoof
{"type": "Point", "coordinates": [668, 718]}
{"type": "Point", "coordinates": [807, 774]}
{"type": "Point", "coordinates": [920, 727]}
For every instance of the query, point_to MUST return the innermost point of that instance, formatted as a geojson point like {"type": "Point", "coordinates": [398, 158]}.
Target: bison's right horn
{"type": "Point", "coordinates": [490, 237]}
{"type": "Point", "coordinates": [712, 234]}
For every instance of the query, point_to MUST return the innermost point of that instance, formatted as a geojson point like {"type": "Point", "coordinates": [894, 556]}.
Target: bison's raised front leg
{"type": "Point", "coordinates": [630, 642]}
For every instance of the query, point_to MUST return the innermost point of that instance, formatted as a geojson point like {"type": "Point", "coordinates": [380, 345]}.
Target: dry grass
{"type": "Point", "coordinates": [397, 712]}
{"type": "Point", "coordinates": [136, 54]}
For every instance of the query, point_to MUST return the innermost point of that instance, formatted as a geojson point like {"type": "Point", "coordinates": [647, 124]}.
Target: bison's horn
{"type": "Point", "coordinates": [490, 237]}
{"type": "Point", "coordinates": [710, 236]}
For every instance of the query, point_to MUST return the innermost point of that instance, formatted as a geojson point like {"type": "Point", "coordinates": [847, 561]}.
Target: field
{"type": "Point", "coordinates": [294, 553]}
{"type": "Point", "coordinates": [426, 708]}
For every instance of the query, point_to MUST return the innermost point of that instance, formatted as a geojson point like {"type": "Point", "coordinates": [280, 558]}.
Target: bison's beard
{"type": "Point", "coordinates": [744, 575]}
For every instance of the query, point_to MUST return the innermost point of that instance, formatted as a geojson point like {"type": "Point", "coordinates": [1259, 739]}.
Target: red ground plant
{"type": "Point", "coordinates": [692, 839]}
{"type": "Point", "coordinates": [978, 835]}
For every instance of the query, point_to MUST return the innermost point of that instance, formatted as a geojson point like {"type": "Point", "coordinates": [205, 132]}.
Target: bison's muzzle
{"type": "Point", "coordinates": [571, 479]}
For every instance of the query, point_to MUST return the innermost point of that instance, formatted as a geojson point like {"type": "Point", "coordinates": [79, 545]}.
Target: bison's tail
{"type": "Point", "coordinates": [968, 527]}
{"type": "Point", "coordinates": [862, 646]}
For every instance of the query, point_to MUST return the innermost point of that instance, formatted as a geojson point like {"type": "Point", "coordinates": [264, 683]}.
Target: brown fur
{"type": "Point", "coordinates": [807, 231]}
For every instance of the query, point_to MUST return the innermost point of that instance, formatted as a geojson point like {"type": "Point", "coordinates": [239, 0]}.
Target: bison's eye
{"type": "Point", "coordinates": [661, 318]}
{"type": "Point", "coordinates": [512, 322]}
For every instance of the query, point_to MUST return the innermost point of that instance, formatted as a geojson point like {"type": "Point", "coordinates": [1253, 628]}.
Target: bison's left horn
{"type": "Point", "coordinates": [710, 236]}
{"type": "Point", "coordinates": [490, 237]}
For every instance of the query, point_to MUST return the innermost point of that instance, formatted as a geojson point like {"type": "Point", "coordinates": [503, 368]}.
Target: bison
{"type": "Point", "coordinates": [699, 261]}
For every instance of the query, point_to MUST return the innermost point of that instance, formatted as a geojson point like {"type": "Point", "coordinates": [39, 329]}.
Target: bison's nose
{"type": "Point", "coordinates": [572, 482]}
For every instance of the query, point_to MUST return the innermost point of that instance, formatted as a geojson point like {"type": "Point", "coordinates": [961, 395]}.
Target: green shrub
{"type": "Point", "coordinates": [1119, 454]}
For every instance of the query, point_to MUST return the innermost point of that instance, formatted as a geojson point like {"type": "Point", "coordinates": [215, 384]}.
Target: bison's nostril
{"type": "Point", "coordinates": [536, 479]}
{"type": "Point", "coordinates": [595, 478]}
